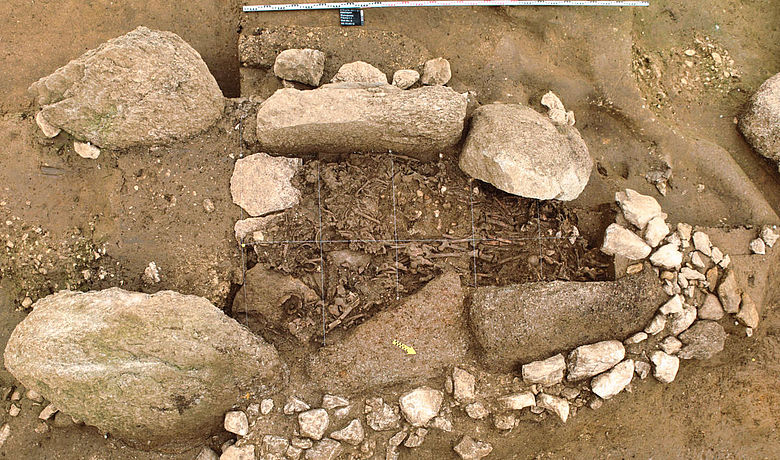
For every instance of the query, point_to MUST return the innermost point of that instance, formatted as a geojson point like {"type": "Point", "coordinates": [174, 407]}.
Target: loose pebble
{"type": "Point", "coordinates": [545, 372]}
{"type": "Point", "coordinates": [666, 366]}
{"type": "Point", "coordinates": [420, 405]}
{"type": "Point", "coordinates": [554, 404]}
{"type": "Point", "coordinates": [667, 256]}
{"type": "Point", "coordinates": [477, 411]}
{"type": "Point", "coordinates": [758, 246]}
{"type": "Point", "coordinates": [266, 406]}
{"type": "Point", "coordinates": [637, 208]}
{"type": "Point", "coordinates": [471, 449]}
{"type": "Point", "coordinates": [621, 241]}
{"type": "Point", "coordinates": [701, 241]}
{"type": "Point", "coordinates": [642, 369]}
{"type": "Point", "coordinates": [353, 433]}
{"type": "Point", "coordinates": [703, 340]}
{"type": "Point", "coordinates": [237, 422]}
{"type": "Point", "coordinates": [294, 405]}
{"type": "Point", "coordinates": [464, 385]}
{"type": "Point", "coordinates": [517, 401]}
{"type": "Point", "coordinates": [657, 324]}
{"type": "Point", "coordinates": [612, 382]}
{"type": "Point", "coordinates": [670, 345]}
{"type": "Point", "coordinates": [589, 360]}
{"type": "Point", "coordinates": [331, 402]}
{"type": "Point", "coordinates": [313, 423]}
{"type": "Point", "coordinates": [748, 312]}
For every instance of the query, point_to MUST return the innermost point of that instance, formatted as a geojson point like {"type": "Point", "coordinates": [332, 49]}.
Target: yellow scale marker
{"type": "Point", "coordinates": [409, 350]}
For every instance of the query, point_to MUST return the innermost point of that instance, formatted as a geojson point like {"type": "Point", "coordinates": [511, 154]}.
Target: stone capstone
{"type": "Point", "coordinates": [145, 87]}
{"type": "Point", "coordinates": [158, 371]}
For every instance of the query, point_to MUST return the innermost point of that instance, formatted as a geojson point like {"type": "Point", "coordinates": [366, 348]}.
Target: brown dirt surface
{"type": "Point", "coordinates": [93, 224]}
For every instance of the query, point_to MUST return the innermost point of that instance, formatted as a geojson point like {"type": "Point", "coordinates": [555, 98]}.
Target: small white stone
{"type": "Point", "coordinates": [666, 366]}
{"type": "Point", "coordinates": [405, 78]}
{"type": "Point", "coordinates": [504, 421]}
{"type": "Point", "coordinates": [637, 208]}
{"type": "Point", "coordinates": [330, 402]}
{"type": "Point", "coordinates": [464, 385]}
{"type": "Point", "coordinates": [86, 150]}
{"type": "Point", "coordinates": [313, 423]}
{"type": "Point", "coordinates": [436, 72]}
{"type": "Point", "coordinates": [442, 423]}
{"type": "Point", "coordinates": [517, 401]}
{"type": "Point", "coordinates": [639, 337]}
{"type": "Point", "coordinates": [621, 241]}
{"type": "Point", "coordinates": [674, 239]}
{"type": "Point", "coordinates": [656, 230]}
{"type": "Point", "coordinates": [207, 454]}
{"type": "Point", "coordinates": [770, 234]}
{"type": "Point", "coordinates": [683, 320]}
{"type": "Point", "coordinates": [670, 345]}
{"type": "Point", "coordinates": [47, 128]}
{"type": "Point", "coordinates": [697, 259]}
{"type": "Point", "coordinates": [266, 406]}
{"type": "Point", "coordinates": [684, 230]}
{"type": "Point", "coordinates": [244, 452]}
{"type": "Point", "coordinates": [657, 324]}
{"type": "Point", "coordinates": [416, 438]}
{"type": "Point", "coordinates": [701, 241]}
{"type": "Point", "coordinates": [14, 410]}
{"type": "Point", "coordinates": [589, 360]}
{"type": "Point", "coordinates": [758, 246]}
{"type": "Point", "coordinates": [691, 274]}
{"type": "Point", "coordinates": [420, 405]}
{"type": "Point", "coordinates": [552, 101]}
{"type": "Point", "coordinates": [673, 305]}
{"type": "Point", "coordinates": [667, 256]}
{"type": "Point", "coordinates": [151, 274]}
{"type": "Point", "coordinates": [724, 263]}
{"type": "Point", "coordinates": [470, 449]}
{"type": "Point", "coordinates": [353, 433]}
{"type": "Point", "coordinates": [545, 372]}
{"type": "Point", "coordinates": [717, 255]}
{"type": "Point", "coordinates": [47, 412]}
{"type": "Point", "coordinates": [554, 404]}
{"type": "Point", "coordinates": [275, 445]}
{"type": "Point", "coordinates": [612, 382]}
{"type": "Point", "coordinates": [477, 411]}
{"type": "Point", "coordinates": [237, 422]}
{"type": "Point", "coordinates": [294, 405]}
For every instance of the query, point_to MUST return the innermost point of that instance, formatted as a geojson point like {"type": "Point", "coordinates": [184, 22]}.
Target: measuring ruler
{"type": "Point", "coordinates": [420, 3]}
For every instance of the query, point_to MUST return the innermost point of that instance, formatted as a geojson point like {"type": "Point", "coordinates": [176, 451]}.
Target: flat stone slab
{"type": "Point", "coordinates": [431, 321]}
{"type": "Point", "coordinates": [521, 323]}
{"type": "Point", "coordinates": [343, 118]}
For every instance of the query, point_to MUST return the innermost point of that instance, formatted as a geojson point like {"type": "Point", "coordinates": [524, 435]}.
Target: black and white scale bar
{"type": "Point", "coordinates": [420, 3]}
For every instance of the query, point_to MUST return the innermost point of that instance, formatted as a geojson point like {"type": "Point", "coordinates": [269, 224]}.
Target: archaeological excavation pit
{"type": "Point", "coordinates": [549, 238]}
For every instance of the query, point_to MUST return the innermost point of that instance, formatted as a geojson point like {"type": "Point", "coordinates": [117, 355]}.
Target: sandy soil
{"type": "Point", "coordinates": [92, 214]}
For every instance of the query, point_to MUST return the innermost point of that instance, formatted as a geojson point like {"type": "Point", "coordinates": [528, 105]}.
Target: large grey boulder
{"type": "Point", "coordinates": [761, 123]}
{"type": "Point", "coordinates": [430, 321]}
{"type": "Point", "coordinates": [145, 87]}
{"type": "Point", "coordinates": [521, 323]}
{"type": "Point", "coordinates": [347, 117]}
{"type": "Point", "coordinates": [158, 371]}
{"type": "Point", "coordinates": [522, 152]}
